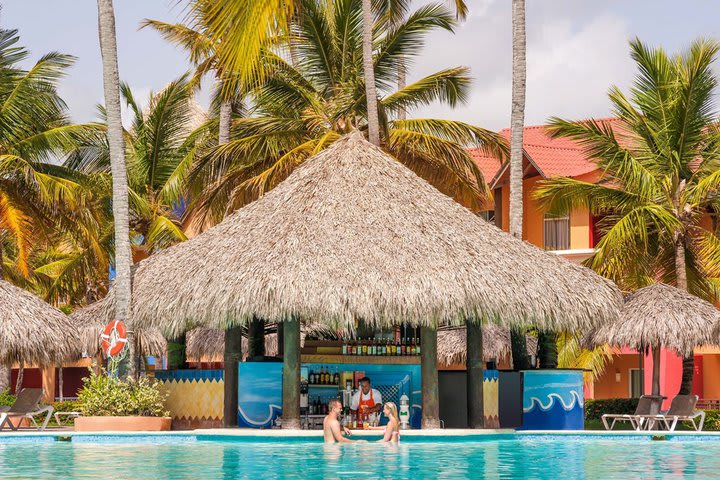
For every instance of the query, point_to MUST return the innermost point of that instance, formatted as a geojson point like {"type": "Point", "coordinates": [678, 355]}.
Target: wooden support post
{"type": "Point", "coordinates": [233, 355]}
{"type": "Point", "coordinates": [475, 407]}
{"type": "Point", "coordinates": [48, 384]}
{"type": "Point", "coordinates": [291, 375]}
{"type": "Point", "coordinates": [429, 372]}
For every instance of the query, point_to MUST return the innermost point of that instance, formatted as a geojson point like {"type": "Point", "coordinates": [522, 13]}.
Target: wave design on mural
{"type": "Point", "coordinates": [259, 418]}
{"type": "Point", "coordinates": [567, 404]}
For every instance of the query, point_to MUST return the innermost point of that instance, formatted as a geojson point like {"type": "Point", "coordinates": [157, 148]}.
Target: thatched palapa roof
{"type": "Point", "coordinates": [208, 345]}
{"type": "Point", "coordinates": [33, 332]}
{"type": "Point", "coordinates": [664, 316]}
{"type": "Point", "coordinates": [90, 322]}
{"type": "Point", "coordinates": [353, 234]}
{"type": "Point", "coordinates": [452, 344]}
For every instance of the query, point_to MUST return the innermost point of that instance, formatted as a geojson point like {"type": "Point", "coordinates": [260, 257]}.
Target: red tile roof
{"type": "Point", "coordinates": [554, 157]}
{"type": "Point", "coordinates": [489, 166]}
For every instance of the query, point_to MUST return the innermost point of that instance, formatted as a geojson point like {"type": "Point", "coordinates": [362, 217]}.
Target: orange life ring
{"type": "Point", "coordinates": [114, 338]}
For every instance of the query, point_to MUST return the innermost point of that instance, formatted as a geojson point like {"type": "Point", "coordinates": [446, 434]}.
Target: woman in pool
{"type": "Point", "coordinates": [392, 429]}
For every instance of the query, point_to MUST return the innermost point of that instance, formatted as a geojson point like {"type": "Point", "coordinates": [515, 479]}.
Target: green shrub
{"type": "Point", "coordinates": [594, 409]}
{"type": "Point", "coordinates": [103, 395]}
{"type": "Point", "coordinates": [712, 420]}
{"type": "Point", "coordinates": [6, 399]}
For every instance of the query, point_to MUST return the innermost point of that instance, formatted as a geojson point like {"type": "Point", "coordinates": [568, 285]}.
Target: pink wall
{"type": "Point", "coordinates": [670, 375]}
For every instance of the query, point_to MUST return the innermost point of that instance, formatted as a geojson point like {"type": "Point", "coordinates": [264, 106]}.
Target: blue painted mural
{"type": "Point", "coordinates": [259, 394]}
{"type": "Point", "coordinates": [553, 400]}
{"type": "Point", "coordinates": [260, 389]}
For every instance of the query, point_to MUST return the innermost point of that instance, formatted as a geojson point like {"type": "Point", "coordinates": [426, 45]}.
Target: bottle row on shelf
{"type": "Point", "coordinates": [385, 347]}
{"type": "Point", "coordinates": [323, 376]}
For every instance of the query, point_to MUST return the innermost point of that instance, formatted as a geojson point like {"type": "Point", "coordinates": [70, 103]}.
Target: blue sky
{"type": "Point", "coordinates": [576, 50]}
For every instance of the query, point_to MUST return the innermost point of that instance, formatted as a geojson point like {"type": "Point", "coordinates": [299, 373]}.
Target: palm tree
{"type": "Point", "coordinates": [161, 144]}
{"type": "Point", "coordinates": [517, 119]}
{"type": "Point", "coordinates": [201, 51]}
{"type": "Point", "coordinates": [34, 129]}
{"type": "Point", "coordinates": [661, 176]}
{"type": "Point", "coordinates": [299, 111]}
{"type": "Point", "coordinates": [120, 201]}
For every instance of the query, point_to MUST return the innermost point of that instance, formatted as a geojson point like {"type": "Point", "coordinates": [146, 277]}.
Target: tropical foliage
{"type": "Point", "coordinates": [661, 176]}
{"type": "Point", "coordinates": [160, 146]}
{"type": "Point", "coordinates": [301, 109]}
{"type": "Point", "coordinates": [107, 395]}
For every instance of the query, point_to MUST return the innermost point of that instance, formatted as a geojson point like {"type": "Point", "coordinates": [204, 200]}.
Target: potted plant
{"type": "Point", "coordinates": [108, 403]}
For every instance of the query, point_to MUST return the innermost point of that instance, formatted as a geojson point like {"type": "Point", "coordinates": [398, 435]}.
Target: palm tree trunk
{"type": "Point", "coordinates": [402, 83]}
{"type": "Point", "coordinates": [256, 339]}
{"type": "Point", "coordinates": [60, 383]}
{"type": "Point", "coordinates": [656, 371]}
{"type": "Point", "coordinates": [688, 363]}
{"type": "Point", "coordinates": [518, 349]}
{"type": "Point", "coordinates": [123, 256]}
{"type": "Point", "coordinates": [19, 381]}
{"type": "Point", "coordinates": [5, 370]}
{"type": "Point", "coordinates": [369, 71]}
{"type": "Point", "coordinates": [225, 121]}
{"type": "Point", "coordinates": [547, 349]}
{"type": "Point", "coordinates": [517, 119]}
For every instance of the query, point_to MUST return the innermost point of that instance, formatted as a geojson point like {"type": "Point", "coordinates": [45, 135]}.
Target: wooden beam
{"type": "Point", "coordinates": [476, 412]}
{"type": "Point", "coordinates": [233, 355]}
{"type": "Point", "coordinates": [291, 375]}
{"type": "Point", "coordinates": [429, 372]}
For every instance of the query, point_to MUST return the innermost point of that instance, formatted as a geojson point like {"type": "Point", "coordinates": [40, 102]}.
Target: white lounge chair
{"type": "Point", "coordinates": [647, 405]}
{"type": "Point", "coordinates": [27, 405]}
{"type": "Point", "coordinates": [682, 409]}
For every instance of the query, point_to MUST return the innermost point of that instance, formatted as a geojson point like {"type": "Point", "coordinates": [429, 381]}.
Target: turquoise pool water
{"type": "Point", "coordinates": [532, 457]}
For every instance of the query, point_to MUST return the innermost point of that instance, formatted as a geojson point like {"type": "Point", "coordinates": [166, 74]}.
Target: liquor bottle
{"type": "Point", "coordinates": [336, 380]}
{"type": "Point", "coordinates": [398, 347]}
{"type": "Point", "coordinates": [373, 347]}
{"type": "Point", "coordinates": [311, 407]}
{"type": "Point", "coordinates": [325, 376]}
{"type": "Point", "coordinates": [413, 347]}
{"type": "Point", "coordinates": [417, 346]}
{"type": "Point", "coordinates": [364, 348]}
{"type": "Point", "coordinates": [344, 347]}
{"type": "Point", "coordinates": [403, 347]}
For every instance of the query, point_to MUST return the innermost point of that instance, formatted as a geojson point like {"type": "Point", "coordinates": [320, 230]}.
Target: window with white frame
{"type": "Point", "coordinates": [557, 232]}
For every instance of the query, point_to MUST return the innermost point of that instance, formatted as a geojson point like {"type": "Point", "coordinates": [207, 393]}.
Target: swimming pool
{"type": "Point", "coordinates": [491, 456]}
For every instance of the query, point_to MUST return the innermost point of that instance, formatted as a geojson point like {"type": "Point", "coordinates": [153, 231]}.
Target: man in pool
{"type": "Point", "coordinates": [332, 431]}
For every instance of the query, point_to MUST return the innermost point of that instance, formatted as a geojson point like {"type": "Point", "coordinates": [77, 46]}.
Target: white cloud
{"type": "Point", "coordinates": [571, 63]}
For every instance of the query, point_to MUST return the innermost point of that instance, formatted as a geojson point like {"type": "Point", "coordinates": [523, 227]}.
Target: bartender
{"type": "Point", "coordinates": [366, 400]}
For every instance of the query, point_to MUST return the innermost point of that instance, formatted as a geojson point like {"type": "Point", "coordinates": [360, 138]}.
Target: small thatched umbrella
{"type": "Point", "coordinates": [661, 316]}
{"type": "Point", "coordinates": [90, 322]}
{"type": "Point", "coordinates": [353, 234]}
{"type": "Point", "coordinates": [452, 344]}
{"type": "Point", "coordinates": [33, 332]}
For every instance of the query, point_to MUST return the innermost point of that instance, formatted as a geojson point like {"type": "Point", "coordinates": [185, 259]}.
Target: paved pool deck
{"type": "Point", "coordinates": [248, 433]}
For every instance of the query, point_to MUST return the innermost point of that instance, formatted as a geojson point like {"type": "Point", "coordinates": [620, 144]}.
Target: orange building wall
{"type": "Point", "coordinates": [711, 374]}
{"type": "Point", "coordinates": [607, 387]}
{"type": "Point", "coordinates": [533, 218]}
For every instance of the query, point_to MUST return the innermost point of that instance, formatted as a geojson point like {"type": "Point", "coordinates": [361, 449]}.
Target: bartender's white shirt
{"type": "Point", "coordinates": [355, 402]}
